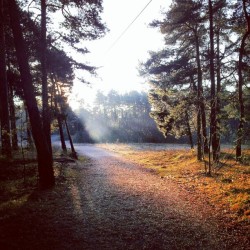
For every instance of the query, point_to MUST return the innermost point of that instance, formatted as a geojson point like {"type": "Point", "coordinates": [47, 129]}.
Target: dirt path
{"type": "Point", "coordinates": [127, 207]}
{"type": "Point", "coordinates": [109, 203]}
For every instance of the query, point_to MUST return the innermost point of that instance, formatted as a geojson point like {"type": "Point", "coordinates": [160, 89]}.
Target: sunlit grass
{"type": "Point", "coordinates": [228, 188]}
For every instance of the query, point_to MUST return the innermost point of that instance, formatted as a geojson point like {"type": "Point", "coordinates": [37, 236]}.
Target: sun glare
{"type": "Point", "coordinates": [118, 62]}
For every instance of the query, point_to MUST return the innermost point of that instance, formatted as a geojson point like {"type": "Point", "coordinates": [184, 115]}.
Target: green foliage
{"type": "Point", "coordinates": [173, 72]}
{"type": "Point", "coordinates": [171, 111]}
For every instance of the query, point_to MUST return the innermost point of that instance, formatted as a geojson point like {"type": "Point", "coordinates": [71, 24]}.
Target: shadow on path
{"type": "Point", "coordinates": [108, 203]}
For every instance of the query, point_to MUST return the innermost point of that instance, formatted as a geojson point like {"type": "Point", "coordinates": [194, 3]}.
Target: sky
{"type": "Point", "coordinates": [118, 60]}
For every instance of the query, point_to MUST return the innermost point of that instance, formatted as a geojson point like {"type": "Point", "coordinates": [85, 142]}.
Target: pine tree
{"type": "Point", "coordinates": [245, 6]}
{"type": "Point", "coordinates": [45, 164]}
{"type": "Point", "coordinates": [4, 104]}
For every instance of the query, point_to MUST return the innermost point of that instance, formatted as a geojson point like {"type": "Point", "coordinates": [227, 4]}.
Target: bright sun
{"type": "Point", "coordinates": [118, 60]}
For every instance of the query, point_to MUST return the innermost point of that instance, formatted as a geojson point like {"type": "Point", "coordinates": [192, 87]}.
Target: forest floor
{"type": "Point", "coordinates": [107, 201]}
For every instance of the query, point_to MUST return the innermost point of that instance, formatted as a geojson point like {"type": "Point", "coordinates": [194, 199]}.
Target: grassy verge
{"type": "Point", "coordinates": [31, 218]}
{"type": "Point", "coordinates": [228, 188]}
{"type": "Point", "coordinates": [19, 179]}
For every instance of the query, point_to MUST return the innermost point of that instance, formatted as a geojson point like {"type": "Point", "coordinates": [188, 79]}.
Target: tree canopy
{"type": "Point", "coordinates": [35, 68]}
{"type": "Point", "coordinates": [198, 71]}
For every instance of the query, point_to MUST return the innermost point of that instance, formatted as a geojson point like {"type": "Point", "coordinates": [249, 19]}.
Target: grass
{"type": "Point", "coordinates": [24, 207]}
{"type": "Point", "coordinates": [228, 189]}
{"type": "Point", "coordinates": [19, 179]}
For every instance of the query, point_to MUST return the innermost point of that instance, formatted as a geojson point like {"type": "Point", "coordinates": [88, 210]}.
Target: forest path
{"type": "Point", "coordinates": [123, 206]}
{"type": "Point", "coordinates": [109, 203]}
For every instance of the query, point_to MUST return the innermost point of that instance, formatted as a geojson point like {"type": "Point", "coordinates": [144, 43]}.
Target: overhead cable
{"type": "Point", "coordinates": [126, 29]}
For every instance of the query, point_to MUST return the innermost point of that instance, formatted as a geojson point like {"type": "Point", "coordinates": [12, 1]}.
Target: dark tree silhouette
{"type": "Point", "coordinates": [4, 104]}
{"type": "Point", "coordinates": [245, 6]}
{"type": "Point", "coordinates": [44, 155]}
{"type": "Point", "coordinates": [213, 125]}
{"type": "Point", "coordinates": [46, 117]}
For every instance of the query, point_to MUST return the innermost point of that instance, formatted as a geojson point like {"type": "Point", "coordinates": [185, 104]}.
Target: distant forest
{"type": "Point", "coordinates": [116, 117]}
{"type": "Point", "coordinates": [128, 117]}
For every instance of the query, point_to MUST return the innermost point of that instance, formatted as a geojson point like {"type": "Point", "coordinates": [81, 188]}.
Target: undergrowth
{"type": "Point", "coordinates": [27, 213]}
{"type": "Point", "coordinates": [19, 178]}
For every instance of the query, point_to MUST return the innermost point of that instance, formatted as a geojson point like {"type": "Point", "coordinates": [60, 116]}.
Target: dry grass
{"type": "Point", "coordinates": [228, 189]}
{"type": "Point", "coordinates": [23, 207]}
{"type": "Point", "coordinates": [19, 179]}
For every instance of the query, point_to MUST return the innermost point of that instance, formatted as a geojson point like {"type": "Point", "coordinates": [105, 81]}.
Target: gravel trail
{"type": "Point", "coordinates": [109, 203]}
{"type": "Point", "coordinates": [123, 206]}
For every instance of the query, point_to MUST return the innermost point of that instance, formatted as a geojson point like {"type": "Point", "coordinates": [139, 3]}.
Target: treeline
{"type": "Point", "coordinates": [200, 79]}
{"type": "Point", "coordinates": [36, 73]}
{"type": "Point", "coordinates": [118, 117]}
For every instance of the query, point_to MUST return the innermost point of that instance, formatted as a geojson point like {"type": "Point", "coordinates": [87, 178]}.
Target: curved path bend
{"type": "Point", "coordinates": [124, 206]}
{"type": "Point", "coordinates": [110, 203]}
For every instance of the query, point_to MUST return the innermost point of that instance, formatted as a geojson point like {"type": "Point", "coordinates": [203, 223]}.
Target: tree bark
{"type": "Point", "coordinates": [44, 155]}
{"type": "Point", "coordinates": [4, 104]}
{"type": "Point", "coordinates": [45, 101]}
{"type": "Point", "coordinates": [28, 130]}
{"type": "Point", "coordinates": [14, 138]}
{"type": "Point", "coordinates": [213, 125]}
{"type": "Point", "coordinates": [60, 125]}
{"type": "Point", "coordinates": [63, 144]}
{"type": "Point", "coordinates": [240, 85]}
{"type": "Point", "coordinates": [240, 98]}
{"type": "Point", "coordinates": [218, 95]}
{"type": "Point", "coordinates": [73, 152]}
{"type": "Point", "coordinates": [189, 131]}
{"type": "Point", "coordinates": [201, 116]}
{"type": "Point", "coordinates": [58, 114]}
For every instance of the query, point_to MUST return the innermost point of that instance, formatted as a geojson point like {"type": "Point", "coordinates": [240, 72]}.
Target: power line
{"type": "Point", "coordinates": [125, 30]}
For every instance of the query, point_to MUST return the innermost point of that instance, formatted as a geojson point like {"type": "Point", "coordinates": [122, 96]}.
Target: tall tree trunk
{"type": "Point", "coordinates": [73, 152]}
{"type": "Point", "coordinates": [201, 116]}
{"type": "Point", "coordinates": [213, 124]}
{"type": "Point", "coordinates": [218, 97]}
{"type": "Point", "coordinates": [14, 135]}
{"type": "Point", "coordinates": [4, 105]}
{"type": "Point", "coordinates": [199, 141]}
{"type": "Point", "coordinates": [204, 125]}
{"type": "Point", "coordinates": [44, 155]}
{"type": "Point", "coordinates": [240, 85]}
{"type": "Point", "coordinates": [58, 114]}
{"type": "Point", "coordinates": [45, 103]}
{"type": "Point", "coordinates": [189, 131]}
{"type": "Point", "coordinates": [14, 138]}
{"type": "Point", "coordinates": [241, 101]}
{"type": "Point", "coordinates": [28, 131]}
{"type": "Point", "coordinates": [60, 125]}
